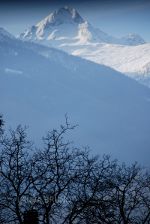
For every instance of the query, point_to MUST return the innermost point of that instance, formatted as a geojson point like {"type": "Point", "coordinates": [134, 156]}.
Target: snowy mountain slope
{"type": "Point", "coordinates": [4, 35]}
{"type": "Point", "coordinates": [65, 25]}
{"type": "Point", "coordinates": [133, 61]}
{"type": "Point", "coordinates": [111, 109]}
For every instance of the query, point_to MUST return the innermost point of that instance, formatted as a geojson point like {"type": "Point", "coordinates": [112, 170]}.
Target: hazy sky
{"type": "Point", "coordinates": [117, 18]}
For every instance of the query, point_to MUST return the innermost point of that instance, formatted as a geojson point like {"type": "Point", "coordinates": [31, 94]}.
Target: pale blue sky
{"type": "Point", "coordinates": [117, 18]}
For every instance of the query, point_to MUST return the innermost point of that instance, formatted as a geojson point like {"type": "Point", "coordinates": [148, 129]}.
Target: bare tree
{"type": "Point", "coordinates": [1, 125]}
{"type": "Point", "coordinates": [15, 171]}
{"type": "Point", "coordinates": [93, 200]}
{"type": "Point", "coordinates": [111, 193]}
{"type": "Point", "coordinates": [57, 168]}
{"type": "Point", "coordinates": [132, 191]}
{"type": "Point", "coordinates": [67, 185]}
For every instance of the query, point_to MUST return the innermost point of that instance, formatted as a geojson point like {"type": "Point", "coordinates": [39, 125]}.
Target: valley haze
{"type": "Point", "coordinates": [60, 60]}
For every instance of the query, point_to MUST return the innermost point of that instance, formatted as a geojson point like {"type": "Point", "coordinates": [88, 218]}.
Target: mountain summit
{"type": "Point", "coordinates": [61, 24]}
{"type": "Point", "coordinates": [65, 26]}
{"type": "Point", "coordinates": [63, 15]}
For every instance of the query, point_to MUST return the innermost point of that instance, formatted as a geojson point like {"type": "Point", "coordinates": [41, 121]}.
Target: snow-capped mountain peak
{"type": "Point", "coordinates": [65, 26]}
{"type": "Point", "coordinates": [56, 25]}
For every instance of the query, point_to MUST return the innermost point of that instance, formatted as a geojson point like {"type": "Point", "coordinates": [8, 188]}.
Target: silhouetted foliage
{"type": "Point", "coordinates": [67, 185]}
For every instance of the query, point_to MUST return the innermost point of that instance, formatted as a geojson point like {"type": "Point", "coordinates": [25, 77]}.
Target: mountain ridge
{"type": "Point", "coordinates": [40, 84]}
{"type": "Point", "coordinates": [47, 29]}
